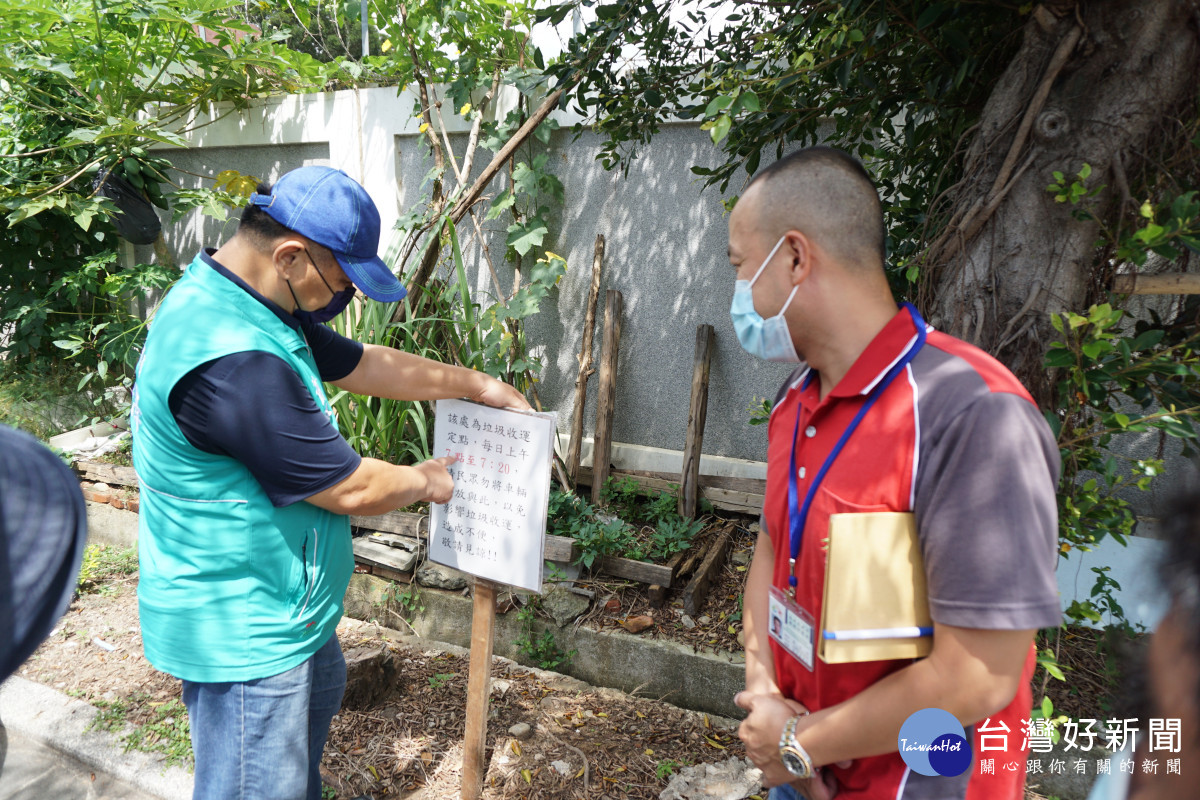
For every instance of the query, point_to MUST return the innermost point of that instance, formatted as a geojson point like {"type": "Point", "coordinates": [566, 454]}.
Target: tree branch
{"type": "Point", "coordinates": [471, 196]}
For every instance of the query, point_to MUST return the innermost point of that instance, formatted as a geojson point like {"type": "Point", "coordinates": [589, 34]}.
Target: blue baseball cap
{"type": "Point", "coordinates": [331, 208]}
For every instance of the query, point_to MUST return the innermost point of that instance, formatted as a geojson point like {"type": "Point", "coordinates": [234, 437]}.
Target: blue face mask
{"type": "Point", "coordinates": [769, 339]}
{"type": "Point", "coordinates": [335, 306]}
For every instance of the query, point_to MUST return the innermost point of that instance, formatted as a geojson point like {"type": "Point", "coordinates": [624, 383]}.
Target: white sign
{"type": "Point", "coordinates": [495, 524]}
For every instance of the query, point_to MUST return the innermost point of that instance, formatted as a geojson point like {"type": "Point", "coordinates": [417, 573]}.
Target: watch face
{"type": "Point", "coordinates": [795, 764]}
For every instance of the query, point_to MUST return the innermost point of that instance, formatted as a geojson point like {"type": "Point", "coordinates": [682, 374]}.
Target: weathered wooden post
{"type": "Point", "coordinates": [479, 679]}
{"type": "Point", "coordinates": [689, 482]}
{"type": "Point", "coordinates": [602, 448]}
{"type": "Point", "coordinates": [585, 364]}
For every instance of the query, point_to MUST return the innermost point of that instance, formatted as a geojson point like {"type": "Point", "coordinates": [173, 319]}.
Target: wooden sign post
{"type": "Point", "coordinates": [493, 527]}
{"type": "Point", "coordinates": [479, 682]}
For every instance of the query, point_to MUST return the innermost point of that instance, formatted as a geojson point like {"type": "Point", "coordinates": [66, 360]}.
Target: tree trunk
{"type": "Point", "coordinates": [1098, 83]}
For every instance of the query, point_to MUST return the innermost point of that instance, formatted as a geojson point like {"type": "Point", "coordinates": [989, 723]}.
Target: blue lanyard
{"type": "Point", "coordinates": [798, 514]}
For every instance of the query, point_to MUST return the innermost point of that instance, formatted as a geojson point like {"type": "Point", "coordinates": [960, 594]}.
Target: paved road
{"type": "Point", "coordinates": [30, 770]}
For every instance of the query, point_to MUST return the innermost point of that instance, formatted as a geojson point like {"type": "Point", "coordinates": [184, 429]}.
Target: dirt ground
{"type": "Point", "coordinates": [406, 742]}
{"type": "Point", "coordinates": [584, 741]}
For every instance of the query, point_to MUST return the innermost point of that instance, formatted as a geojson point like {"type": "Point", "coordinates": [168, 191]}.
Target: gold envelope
{"type": "Point", "coordinates": [874, 584]}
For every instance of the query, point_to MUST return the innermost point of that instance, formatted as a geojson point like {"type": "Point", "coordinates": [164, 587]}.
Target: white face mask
{"type": "Point", "coordinates": [768, 339]}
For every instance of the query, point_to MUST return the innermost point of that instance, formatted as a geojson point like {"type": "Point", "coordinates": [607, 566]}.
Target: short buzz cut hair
{"type": "Point", "coordinates": [259, 227]}
{"type": "Point", "coordinates": [825, 193]}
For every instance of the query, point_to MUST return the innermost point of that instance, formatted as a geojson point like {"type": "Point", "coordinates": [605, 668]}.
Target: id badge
{"type": "Point", "coordinates": [792, 627]}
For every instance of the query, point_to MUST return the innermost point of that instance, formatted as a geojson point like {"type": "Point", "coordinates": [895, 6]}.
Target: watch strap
{"type": "Point", "coordinates": [794, 757]}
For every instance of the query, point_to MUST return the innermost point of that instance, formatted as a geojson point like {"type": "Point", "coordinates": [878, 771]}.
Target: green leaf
{"type": "Point", "coordinates": [523, 239]}
{"type": "Point", "coordinates": [502, 202]}
{"type": "Point", "coordinates": [929, 15]}
{"type": "Point", "coordinates": [718, 105]}
{"type": "Point", "coordinates": [720, 129]}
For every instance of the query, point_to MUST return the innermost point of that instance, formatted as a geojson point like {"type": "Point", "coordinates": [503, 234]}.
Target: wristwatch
{"type": "Point", "coordinates": [793, 756]}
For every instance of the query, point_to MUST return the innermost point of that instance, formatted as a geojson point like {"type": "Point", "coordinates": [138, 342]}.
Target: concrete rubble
{"type": "Point", "coordinates": [726, 780]}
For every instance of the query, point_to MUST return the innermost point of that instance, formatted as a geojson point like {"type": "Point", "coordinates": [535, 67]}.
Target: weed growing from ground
{"type": "Point", "coordinates": [165, 730]}
{"type": "Point", "coordinates": [102, 564]}
{"type": "Point", "coordinates": [543, 651]}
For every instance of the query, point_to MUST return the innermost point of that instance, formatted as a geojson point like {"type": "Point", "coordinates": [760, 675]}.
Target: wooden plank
{"type": "Point", "coordinates": [585, 363]}
{"type": "Point", "coordinates": [602, 443]}
{"type": "Point", "coordinates": [560, 548]}
{"type": "Point", "coordinates": [1164, 283]}
{"type": "Point", "coordinates": [388, 574]}
{"type": "Point", "coordinates": [697, 590]}
{"type": "Point", "coordinates": [689, 481]}
{"type": "Point", "coordinates": [402, 522]}
{"type": "Point", "coordinates": [640, 571]}
{"type": "Point", "coordinates": [483, 619]}
{"type": "Point", "coordinates": [658, 592]}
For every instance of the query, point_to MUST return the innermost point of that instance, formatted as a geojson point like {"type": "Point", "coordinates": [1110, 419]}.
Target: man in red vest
{"type": "Point", "coordinates": [884, 413]}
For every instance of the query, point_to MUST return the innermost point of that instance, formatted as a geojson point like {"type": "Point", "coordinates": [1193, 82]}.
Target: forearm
{"type": "Point", "coordinates": [395, 374]}
{"type": "Point", "coordinates": [376, 487]}
{"type": "Point", "coordinates": [957, 680]}
{"type": "Point", "coordinates": [760, 663]}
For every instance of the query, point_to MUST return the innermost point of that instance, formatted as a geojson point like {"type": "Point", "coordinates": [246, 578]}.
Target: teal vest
{"type": "Point", "coordinates": [231, 587]}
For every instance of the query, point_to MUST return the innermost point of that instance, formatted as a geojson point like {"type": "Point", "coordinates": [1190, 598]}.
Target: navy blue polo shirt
{"type": "Point", "coordinates": [251, 406]}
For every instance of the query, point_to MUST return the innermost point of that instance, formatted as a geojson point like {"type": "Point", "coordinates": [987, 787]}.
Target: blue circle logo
{"type": "Point", "coordinates": [932, 742]}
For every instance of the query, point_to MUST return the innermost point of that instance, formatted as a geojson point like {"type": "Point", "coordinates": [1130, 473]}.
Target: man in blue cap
{"type": "Point", "coordinates": [244, 539]}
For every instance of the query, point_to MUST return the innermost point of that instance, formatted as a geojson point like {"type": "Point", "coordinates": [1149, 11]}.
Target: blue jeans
{"type": "Point", "coordinates": [263, 739]}
{"type": "Point", "coordinates": [784, 792]}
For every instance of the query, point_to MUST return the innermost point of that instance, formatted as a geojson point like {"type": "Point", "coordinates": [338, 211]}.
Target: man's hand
{"type": "Point", "coordinates": [761, 730]}
{"type": "Point", "coordinates": [439, 486]}
{"type": "Point", "coordinates": [498, 394]}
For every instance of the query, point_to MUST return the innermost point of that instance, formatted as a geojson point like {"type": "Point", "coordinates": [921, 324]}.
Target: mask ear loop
{"type": "Point", "coordinates": [767, 260]}
{"type": "Point", "coordinates": [789, 301]}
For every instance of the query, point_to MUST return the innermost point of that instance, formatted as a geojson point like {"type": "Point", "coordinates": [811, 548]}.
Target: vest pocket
{"type": "Point", "coordinates": [308, 555]}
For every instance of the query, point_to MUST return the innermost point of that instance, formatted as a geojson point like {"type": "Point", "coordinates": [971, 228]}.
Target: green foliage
{"type": "Point", "coordinates": [85, 89]}
{"type": "Point", "coordinates": [405, 596]}
{"type": "Point", "coordinates": [104, 336]}
{"type": "Point", "coordinates": [1045, 710]}
{"type": "Point", "coordinates": [760, 411]}
{"type": "Point", "coordinates": [1075, 192]}
{"type": "Point", "coordinates": [600, 532]}
{"type": "Point", "coordinates": [102, 563]}
{"type": "Point", "coordinates": [440, 679]}
{"type": "Point", "coordinates": [1168, 229]}
{"type": "Point", "coordinates": [900, 84]}
{"type": "Point", "coordinates": [542, 650]}
{"type": "Point", "coordinates": [42, 401]}
{"type": "Point", "coordinates": [673, 535]}
{"type": "Point", "coordinates": [450, 328]}
{"type": "Point", "coordinates": [164, 727]}
{"type": "Point", "coordinates": [397, 431]}
{"type": "Point", "coordinates": [1116, 378]}
{"type": "Point", "coordinates": [665, 769]}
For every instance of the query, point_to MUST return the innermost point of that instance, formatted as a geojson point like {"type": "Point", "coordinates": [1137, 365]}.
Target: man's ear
{"type": "Point", "coordinates": [799, 250]}
{"type": "Point", "coordinates": [289, 258]}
